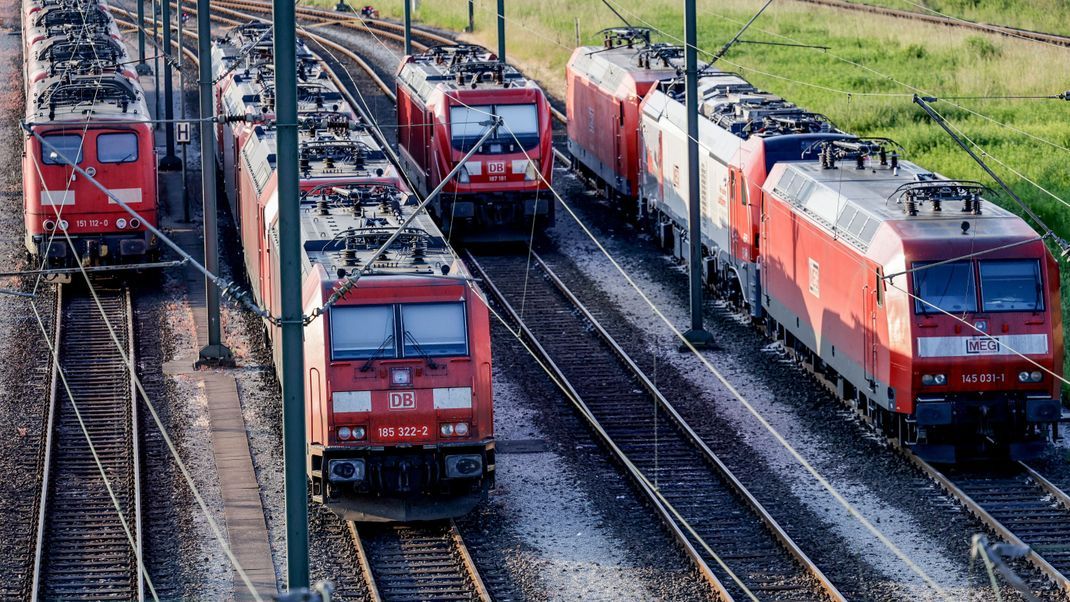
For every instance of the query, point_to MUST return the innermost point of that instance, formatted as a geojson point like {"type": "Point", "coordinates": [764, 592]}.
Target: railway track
{"type": "Point", "coordinates": [1021, 506]}
{"type": "Point", "coordinates": [416, 562]}
{"type": "Point", "coordinates": [736, 545]}
{"type": "Point", "coordinates": [1036, 36]}
{"type": "Point", "coordinates": [320, 17]}
{"type": "Point", "coordinates": [84, 550]}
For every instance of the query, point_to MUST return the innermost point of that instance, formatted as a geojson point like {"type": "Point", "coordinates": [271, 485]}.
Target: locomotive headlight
{"type": "Point", "coordinates": [530, 172]}
{"type": "Point", "coordinates": [462, 176]}
{"type": "Point", "coordinates": [465, 466]}
{"type": "Point", "coordinates": [121, 223]}
{"type": "Point", "coordinates": [346, 470]}
{"type": "Point", "coordinates": [345, 433]}
{"type": "Point", "coordinates": [461, 428]}
{"type": "Point", "coordinates": [400, 376]}
{"type": "Point", "coordinates": [934, 379]}
{"type": "Point", "coordinates": [1030, 377]}
{"type": "Point", "coordinates": [359, 432]}
{"type": "Point", "coordinates": [49, 225]}
{"type": "Point", "coordinates": [446, 430]}
{"type": "Point", "coordinates": [63, 224]}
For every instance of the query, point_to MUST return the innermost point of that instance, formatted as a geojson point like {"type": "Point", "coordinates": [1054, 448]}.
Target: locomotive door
{"type": "Point", "coordinates": [740, 214]}
{"type": "Point", "coordinates": [873, 299]}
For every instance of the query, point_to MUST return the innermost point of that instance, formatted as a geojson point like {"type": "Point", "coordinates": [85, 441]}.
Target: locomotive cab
{"type": "Point", "coordinates": [447, 97]}
{"type": "Point", "coordinates": [60, 201]}
{"type": "Point", "coordinates": [989, 342]}
{"type": "Point", "coordinates": [407, 434]}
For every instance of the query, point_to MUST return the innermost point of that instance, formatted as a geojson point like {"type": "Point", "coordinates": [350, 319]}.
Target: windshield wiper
{"type": "Point", "coordinates": [382, 346]}
{"type": "Point", "coordinates": [430, 362]}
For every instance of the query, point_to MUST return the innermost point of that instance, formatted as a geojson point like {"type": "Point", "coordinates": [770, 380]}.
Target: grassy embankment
{"type": "Point", "coordinates": [1050, 16]}
{"type": "Point", "coordinates": [938, 60]}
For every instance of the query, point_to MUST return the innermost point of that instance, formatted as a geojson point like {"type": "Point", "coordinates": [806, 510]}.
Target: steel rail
{"type": "Point", "coordinates": [46, 467]}
{"type": "Point", "coordinates": [82, 550]}
{"type": "Point", "coordinates": [436, 566]}
{"type": "Point", "coordinates": [1004, 30]}
{"type": "Point", "coordinates": [379, 27]}
{"type": "Point", "coordinates": [695, 440]}
{"type": "Point", "coordinates": [982, 513]}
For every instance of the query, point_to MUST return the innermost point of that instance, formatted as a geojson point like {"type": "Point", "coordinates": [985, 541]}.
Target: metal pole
{"type": "Point", "coordinates": [156, 61]}
{"type": "Point", "coordinates": [697, 336]}
{"type": "Point", "coordinates": [169, 162]}
{"type": "Point", "coordinates": [408, 27]}
{"type": "Point", "coordinates": [214, 353]}
{"type": "Point", "coordinates": [293, 389]}
{"type": "Point", "coordinates": [142, 68]}
{"type": "Point", "coordinates": [471, 16]}
{"type": "Point", "coordinates": [182, 107]}
{"type": "Point", "coordinates": [501, 31]}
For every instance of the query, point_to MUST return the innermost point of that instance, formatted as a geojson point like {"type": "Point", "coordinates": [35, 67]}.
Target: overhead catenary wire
{"type": "Point", "coordinates": [53, 347]}
{"type": "Point", "coordinates": [850, 94]}
{"type": "Point", "coordinates": [226, 287]}
{"type": "Point", "coordinates": [217, 532]}
{"type": "Point", "coordinates": [630, 466]}
{"type": "Point", "coordinates": [781, 439]}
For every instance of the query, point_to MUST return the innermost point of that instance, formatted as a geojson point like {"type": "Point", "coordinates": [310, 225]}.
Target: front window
{"type": "Point", "coordinates": [1011, 285]}
{"type": "Point", "coordinates": [434, 329]}
{"type": "Point", "coordinates": [66, 145]}
{"type": "Point", "coordinates": [947, 286]}
{"type": "Point", "coordinates": [520, 125]}
{"type": "Point", "coordinates": [362, 332]}
{"type": "Point", "coordinates": [367, 332]}
{"type": "Point", "coordinates": [117, 148]}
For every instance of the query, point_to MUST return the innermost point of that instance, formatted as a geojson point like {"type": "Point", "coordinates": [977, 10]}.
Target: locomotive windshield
{"type": "Point", "coordinates": [521, 124]}
{"type": "Point", "coordinates": [117, 148]}
{"type": "Point", "coordinates": [1011, 285]}
{"type": "Point", "coordinates": [372, 331]}
{"type": "Point", "coordinates": [66, 145]}
{"type": "Point", "coordinates": [362, 331]}
{"type": "Point", "coordinates": [947, 286]}
{"type": "Point", "coordinates": [434, 329]}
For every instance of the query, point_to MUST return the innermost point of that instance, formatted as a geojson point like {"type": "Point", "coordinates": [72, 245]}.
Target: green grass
{"type": "Point", "coordinates": [1051, 16]}
{"type": "Point", "coordinates": [938, 60]}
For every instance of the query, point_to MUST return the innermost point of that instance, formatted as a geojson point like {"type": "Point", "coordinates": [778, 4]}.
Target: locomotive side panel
{"type": "Point", "coordinates": [823, 293]}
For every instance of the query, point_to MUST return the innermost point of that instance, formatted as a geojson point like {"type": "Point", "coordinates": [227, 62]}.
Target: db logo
{"type": "Point", "coordinates": [496, 167]}
{"type": "Point", "coordinates": [402, 400]}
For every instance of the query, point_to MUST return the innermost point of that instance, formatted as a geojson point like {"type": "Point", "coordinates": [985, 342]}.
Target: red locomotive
{"type": "Point", "coordinates": [398, 372]}
{"type": "Point", "coordinates": [84, 99]}
{"type": "Point", "coordinates": [932, 310]}
{"type": "Point", "coordinates": [446, 97]}
{"type": "Point", "coordinates": [604, 87]}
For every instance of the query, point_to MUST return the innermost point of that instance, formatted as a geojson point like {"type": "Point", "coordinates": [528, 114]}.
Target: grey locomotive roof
{"type": "Point", "coordinates": [853, 202]}
{"type": "Point", "coordinates": [343, 231]}
{"type": "Point", "coordinates": [459, 67]}
{"type": "Point", "coordinates": [737, 108]}
{"type": "Point", "coordinates": [610, 67]}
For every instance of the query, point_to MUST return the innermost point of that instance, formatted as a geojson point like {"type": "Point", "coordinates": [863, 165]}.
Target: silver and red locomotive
{"type": "Point", "coordinates": [397, 372]}
{"type": "Point", "coordinates": [84, 99]}
{"type": "Point", "coordinates": [446, 97]}
{"type": "Point", "coordinates": [932, 310]}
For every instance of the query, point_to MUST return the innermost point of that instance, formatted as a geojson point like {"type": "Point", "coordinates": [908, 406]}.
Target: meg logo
{"type": "Point", "coordinates": [402, 400]}
{"type": "Point", "coordinates": [982, 346]}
